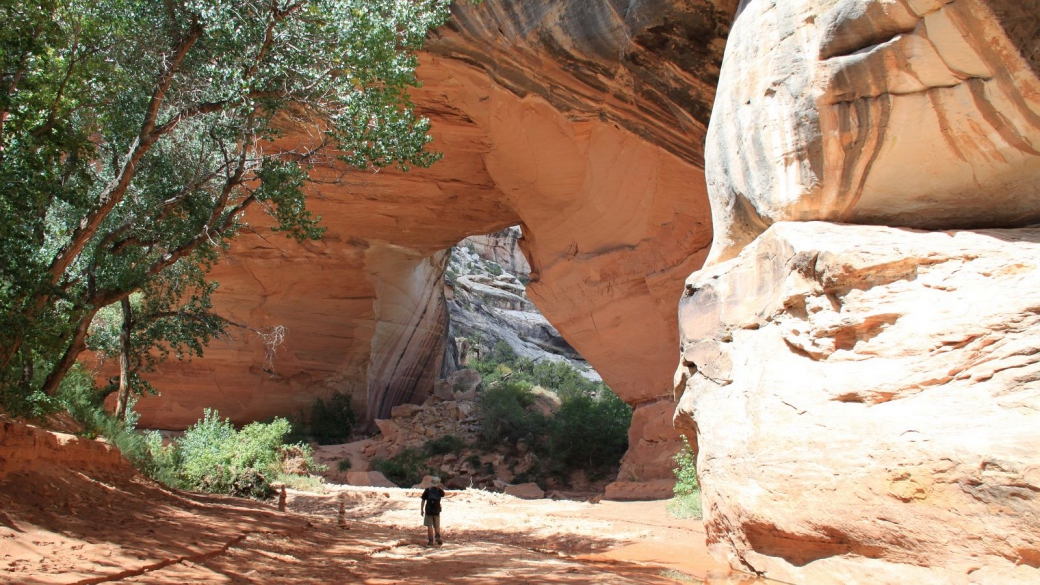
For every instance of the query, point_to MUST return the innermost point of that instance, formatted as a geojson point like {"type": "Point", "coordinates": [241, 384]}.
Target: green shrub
{"type": "Point", "coordinates": [686, 472]}
{"type": "Point", "coordinates": [505, 414]}
{"type": "Point", "coordinates": [589, 432]}
{"type": "Point", "coordinates": [344, 464]}
{"type": "Point", "coordinates": [444, 445]}
{"type": "Point", "coordinates": [332, 421]}
{"type": "Point", "coordinates": [493, 268]}
{"type": "Point", "coordinates": [85, 404]}
{"type": "Point", "coordinates": [166, 459]}
{"type": "Point", "coordinates": [405, 469]}
{"type": "Point", "coordinates": [329, 422]}
{"type": "Point", "coordinates": [304, 483]}
{"type": "Point", "coordinates": [214, 457]}
{"type": "Point", "coordinates": [687, 500]}
{"type": "Point", "coordinates": [685, 507]}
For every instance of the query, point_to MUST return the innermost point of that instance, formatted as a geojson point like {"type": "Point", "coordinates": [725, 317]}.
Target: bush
{"type": "Point", "coordinates": [405, 469]}
{"type": "Point", "coordinates": [590, 432]}
{"type": "Point", "coordinates": [685, 507]}
{"type": "Point", "coordinates": [444, 445]}
{"type": "Point", "coordinates": [493, 268]}
{"type": "Point", "coordinates": [85, 404]}
{"type": "Point", "coordinates": [214, 457]}
{"type": "Point", "coordinates": [329, 422]}
{"type": "Point", "coordinates": [344, 465]}
{"type": "Point", "coordinates": [505, 417]}
{"type": "Point", "coordinates": [304, 483]}
{"type": "Point", "coordinates": [333, 421]}
{"type": "Point", "coordinates": [687, 500]}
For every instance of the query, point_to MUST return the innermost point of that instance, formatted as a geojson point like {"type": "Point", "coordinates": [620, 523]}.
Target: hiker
{"type": "Point", "coordinates": [430, 508]}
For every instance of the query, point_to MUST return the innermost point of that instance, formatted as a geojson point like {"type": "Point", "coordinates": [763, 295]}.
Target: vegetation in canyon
{"type": "Point", "coordinates": [687, 500]}
{"type": "Point", "coordinates": [546, 409]}
{"type": "Point", "coordinates": [213, 456]}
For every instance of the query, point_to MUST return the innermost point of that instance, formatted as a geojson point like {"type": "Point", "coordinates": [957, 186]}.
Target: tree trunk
{"type": "Point", "coordinates": [76, 347]}
{"type": "Point", "coordinates": [124, 359]}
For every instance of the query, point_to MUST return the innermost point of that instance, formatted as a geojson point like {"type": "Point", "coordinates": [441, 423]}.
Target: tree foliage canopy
{"type": "Point", "coordinates": [134, 134]}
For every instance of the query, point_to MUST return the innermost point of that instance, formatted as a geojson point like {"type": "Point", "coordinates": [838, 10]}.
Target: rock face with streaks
{"type": "Point", "coordinates": [502, 248]}
{"type": "Point", "coordinates": [580, 121]}
{"type": "Point", "coordinates": [916, 113]}
{"type": "Point", "coordinates": [866, 400]}
{"type": "Point", "coordinates": [864, 395]}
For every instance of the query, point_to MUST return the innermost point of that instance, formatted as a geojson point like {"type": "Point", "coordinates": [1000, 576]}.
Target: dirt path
{"type": "Point", "coordinates": [61, 526]}
{"type": "Point", "coordinates": [73, 512]}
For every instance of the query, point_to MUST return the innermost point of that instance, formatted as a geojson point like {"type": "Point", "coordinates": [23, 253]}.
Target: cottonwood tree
{"type": "Point", "coordinates": [134, 134]}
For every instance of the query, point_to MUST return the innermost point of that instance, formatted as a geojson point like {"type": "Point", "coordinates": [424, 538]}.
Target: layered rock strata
{"type": "Point", "coordinates": [502, 248]}
{"type": "Point", "coordinates": [866, 400]}
{"type": "Point", "coordinates": [580, 121]}
{"type": "Point", "coordinates": [917, 113]}
{"type": "Point", "coordinates": [488, 304]}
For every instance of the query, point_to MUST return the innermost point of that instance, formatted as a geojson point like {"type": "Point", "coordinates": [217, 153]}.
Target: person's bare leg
{"type": "Point", "coordinates": [429, 534]}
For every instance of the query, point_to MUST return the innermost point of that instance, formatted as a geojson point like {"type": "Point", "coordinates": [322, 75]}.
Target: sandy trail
{"type": "Point", "coordinates": [63, 526]}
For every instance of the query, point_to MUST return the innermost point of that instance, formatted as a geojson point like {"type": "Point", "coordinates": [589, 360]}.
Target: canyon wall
{"type": "Point", "coordinates": [582, 122]}
{"type": "Point", "coordinates": [865, 397]}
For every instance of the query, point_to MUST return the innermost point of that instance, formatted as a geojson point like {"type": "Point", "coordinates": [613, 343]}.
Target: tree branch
{"type": "Point", "coordinates": [117, 188]}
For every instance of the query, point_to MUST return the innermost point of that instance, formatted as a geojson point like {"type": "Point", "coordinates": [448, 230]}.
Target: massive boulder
{"type": "Point", "coordinates": [917, 113]}
{"type": "Point", "coordinates": [580, 121]}
{"type": "Point", "coordinates": [866, 401]}
{"type": "Point", "coordinates": [864, 396]}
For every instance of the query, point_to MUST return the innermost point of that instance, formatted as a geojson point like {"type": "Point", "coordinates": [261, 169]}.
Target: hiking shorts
{"type": "Point", "coordinates": [432, 520]}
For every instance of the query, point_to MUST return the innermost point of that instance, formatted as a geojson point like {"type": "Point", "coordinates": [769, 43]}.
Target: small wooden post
{"type": "Point", "coordinates": [342, 520]}
{"type": "Point", "coordinates": [281, 499]}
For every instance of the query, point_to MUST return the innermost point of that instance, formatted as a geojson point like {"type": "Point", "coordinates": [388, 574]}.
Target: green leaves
{"type": "Point", "coordinates": [135, 135]}
{"type": "Point", "coordinates": [687, 500]}
{"type": "Point", "coordinates": [686, 470]}
{"type": "Point", "coordinates": [214, 457]}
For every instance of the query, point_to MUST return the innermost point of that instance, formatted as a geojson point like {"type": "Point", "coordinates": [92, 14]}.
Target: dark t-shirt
{"type": "Point", "coordinates": [433, 496]}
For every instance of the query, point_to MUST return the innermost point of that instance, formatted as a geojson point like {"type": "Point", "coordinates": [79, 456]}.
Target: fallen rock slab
{"type": "Point", "coordinates": [369, 478]}
{"type": "Point", "coordinates": [525, 491]}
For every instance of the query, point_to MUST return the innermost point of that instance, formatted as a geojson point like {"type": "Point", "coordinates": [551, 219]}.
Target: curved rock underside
{"type": "Point", "coordinates": [580, 121]}
{"type": "Point", "coordinates": [866, 397]}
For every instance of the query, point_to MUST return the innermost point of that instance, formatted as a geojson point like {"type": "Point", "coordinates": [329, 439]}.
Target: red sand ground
{"type": "Point", "coordinates": [60, 524]}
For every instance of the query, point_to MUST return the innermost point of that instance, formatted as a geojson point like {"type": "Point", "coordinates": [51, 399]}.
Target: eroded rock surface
{"type": "Point", "coordinates": [918, 113]}
{"type": "Point", "coordinates": [863, 395]}
{"type": "Point", "coordinates": [866, 402]}
{"type": "Point", "coordinates": [580, 121]}
{"type": "Point", "coordinates": [488, 304]}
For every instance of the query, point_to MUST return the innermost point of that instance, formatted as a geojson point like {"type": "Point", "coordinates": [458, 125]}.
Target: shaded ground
{"type": "Point", "coordinates": [63, 525]}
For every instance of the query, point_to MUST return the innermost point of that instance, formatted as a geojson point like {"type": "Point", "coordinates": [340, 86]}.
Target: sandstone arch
{"type": "Point", "coordinates": [582, 121]}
